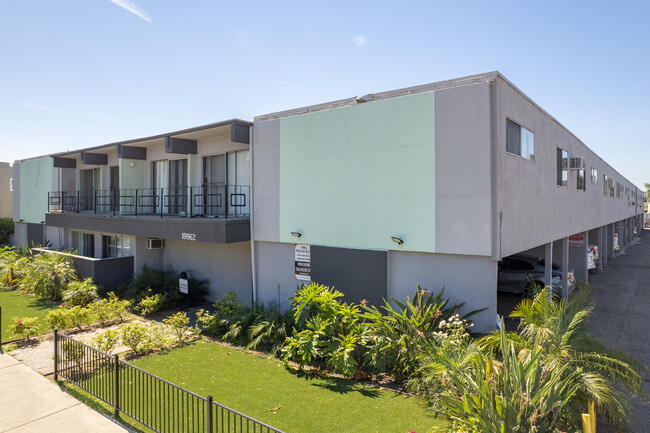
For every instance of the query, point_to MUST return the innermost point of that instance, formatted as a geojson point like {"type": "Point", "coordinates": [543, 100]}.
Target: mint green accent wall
{"type": "Point", "coordinates": [131, 177]}
{"type": "Point", "coordinates": [35, 183]}
{"type": "Point", "coordinates": [104, 173]}
{"type": "Point", "coordinates": [355, 176]}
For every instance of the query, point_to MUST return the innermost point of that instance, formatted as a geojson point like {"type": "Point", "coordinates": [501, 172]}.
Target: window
{"type": "Point", "coordinates": [520, 141]}
{"type": "Point", "coordinates": [611, 187]}
{"type": "Point", "coordinates": [605, 185]}
{"type": "Point", "coordinates": [84, 244]}
{"type": "Point", "coordinates": [11, 184]}
{"type": "Point", "coordinates": [594, 176]}
{"type": "Point", "coordinates": [116, 246]}
{"type": "Point", "coordinates": [562, 167]}
{"type": "Point", "coordinates": [581, 180]}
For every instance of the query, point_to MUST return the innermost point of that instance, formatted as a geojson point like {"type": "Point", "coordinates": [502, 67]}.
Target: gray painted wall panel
{"type": "Point", "coordinates": [359, 274]}
{"type": "Point", "coordinates": [275, 272]}
{"type": "Point", "coordinates": [266, 169]}
{"type": "Point", "coordinates": [463, 191]}
{"type": "Point", "coordinates": [466, 279]}
{"type": "Point", "coordinates": [228, 267]}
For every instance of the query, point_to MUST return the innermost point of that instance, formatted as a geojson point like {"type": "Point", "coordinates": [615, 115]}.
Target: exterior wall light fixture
{"type": "Point", "coordinates": [296, 234]}
{"type": "Point", "coordinates": [397, 240]}
{"type": "Point", "coordinates": [132, 164]}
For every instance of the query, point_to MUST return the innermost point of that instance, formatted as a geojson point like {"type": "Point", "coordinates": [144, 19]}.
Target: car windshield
{"type": "Point", "coordinates": [555, 265]}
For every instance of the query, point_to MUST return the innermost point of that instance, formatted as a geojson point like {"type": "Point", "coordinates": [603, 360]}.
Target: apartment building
{"type": "Point", "coordinates": [429, 185]}
{"type": "Point", "coordinates": [179, 200]}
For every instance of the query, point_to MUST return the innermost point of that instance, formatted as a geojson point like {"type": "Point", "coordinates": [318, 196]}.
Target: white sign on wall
{"type": "Point", "coordinates": [302, 260]}
{"type": "Point", "coordinates": [576, 240]}
{"type": "Point", "coordinates": [183, 285]}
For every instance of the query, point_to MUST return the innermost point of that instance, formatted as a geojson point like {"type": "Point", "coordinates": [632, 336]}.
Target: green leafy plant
{"type": "Point", "coordinates": [79, 316]}
{"type": "Point", "coordinates": [80, 293]}
{"type": "Point", "coordinates": [228, 318]}
{"type": "Point", "coordinates": [153, 282]}
{"type": "Point", "coordinates": [327, 330]}
{"type": "Point", "coordinates": [6, 229]}
{"type": "Point", "coordinates": [150, 305]}
{"type": "Point", "coordinates": [12, 267]}
{"type": "Point", "coordinates": [59, 319]}
{"type": "Point", "coordinates": [24, 327]}
{"type": "Point", "coordinates": [107, 340]}
{"type": "Point", "coordinates": [48, 275]}
{"type": "Point", "coordinates": [179, 325]}
{"type": "Point", "coordinates": [118, 307]}
{"type": "Point", "coordinates": [507, 395]}
{"type": "Point", "coordinates": [399, 335]}
{"type": "Point", "coordinates": [560, 328]}
{"type": "Point", "coordinates": [135, 336]}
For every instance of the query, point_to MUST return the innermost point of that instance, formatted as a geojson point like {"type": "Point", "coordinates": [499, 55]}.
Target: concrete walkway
{"type": "Point", "coordinates": [622, 315]}
{"type": "Point", "coordinates": [31, 403]}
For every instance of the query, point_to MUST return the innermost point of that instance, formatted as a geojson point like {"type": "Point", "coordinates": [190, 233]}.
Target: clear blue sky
{"type": "Point", "coordinates": [80, 73]}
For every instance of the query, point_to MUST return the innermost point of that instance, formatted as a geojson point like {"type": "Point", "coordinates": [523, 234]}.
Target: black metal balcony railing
{"type": "Point", "coordinates": [211, 200]}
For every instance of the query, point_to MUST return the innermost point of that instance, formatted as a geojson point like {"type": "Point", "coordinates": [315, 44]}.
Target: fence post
{"type": "Point", "coordinates": [116, 385]}
{"type": "Point", "coordinates": [209, 414]}
{"type": "Point", "coordinates": [56, 355]}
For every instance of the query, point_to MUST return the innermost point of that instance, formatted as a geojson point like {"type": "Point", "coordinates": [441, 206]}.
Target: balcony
{"type": "Point", "coordinates": [208, 213]}
{"type": "Point", "coordinates": [212, 200]}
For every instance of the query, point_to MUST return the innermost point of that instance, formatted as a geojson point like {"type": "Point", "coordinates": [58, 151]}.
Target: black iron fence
{"type": "Point", "coordinates": [209, 200]}
{"type": "Point", "coordinates": [154, 402]}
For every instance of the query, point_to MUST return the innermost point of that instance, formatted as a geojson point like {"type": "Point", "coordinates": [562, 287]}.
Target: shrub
{"type": "Point", "coordinates": [12, 267]}
{"type": "Point", "coordinates": [79, 316]}
{"type": "Point", "coordinates": [151, 281]}
{"type": "Point", "coordinates": [227, 320]}
{"type": "Point", "coordinates": [6, 229]}
{"type": "Point", "coordinates": [331, 331]}
{"type": "Point", "coordinates": [135, 336]}
{"type": "Point", "coordinates": [48, 275]}
{"type": "Point", "coordinates": [80, 293]}
{"type": "Point", "coordinates": [118, 307]}
{"type": "Point", "coordinates": [24, 327]}
{"type": "Point", "coordinates": [58, 319]}
{"type": "Point", "coordinates": [178, 323]}
{"type": "Point", "coordinates": [151, 304]}
{"type": "Point", "coordinates": [107, 340]}
{"type": "Point", "coordinates": [399, 335]}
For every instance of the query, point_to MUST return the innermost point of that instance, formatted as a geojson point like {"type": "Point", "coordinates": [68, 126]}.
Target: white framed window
{"type": "Point", "coordinates": [594, 176]}
{"type": "Point", "coordinates": [562, 167]}
{"type": "Point", "coordinates": [11, 184]}
{"type": "Point", "coordinates": [520, 141]}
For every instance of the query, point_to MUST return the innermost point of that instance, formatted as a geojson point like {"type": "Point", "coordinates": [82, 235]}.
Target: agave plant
{"type": "Point", "coordinates": [559, 328]}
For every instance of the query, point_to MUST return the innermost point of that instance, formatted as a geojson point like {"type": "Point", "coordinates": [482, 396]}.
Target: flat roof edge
{"type": "Point", "coordinates": [456, 82]}
{"type": "Point", "coordinates": [138, 140]}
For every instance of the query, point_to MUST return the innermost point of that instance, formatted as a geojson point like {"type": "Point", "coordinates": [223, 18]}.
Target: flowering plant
{"type": "Point", "coordinates": [24, 327]}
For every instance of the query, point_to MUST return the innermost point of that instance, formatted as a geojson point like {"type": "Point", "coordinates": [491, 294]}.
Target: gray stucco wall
{"type": "Point", "coordinates": [266, 174]}
{"type": "Point", "coordinates": [275, 267]}
{"type": "Point", "coordinates": [228, 267]}
{"type": "Point", "coordinates": [536, 210]}
{"type": "Point", "coordinates": [463, 171]}
{"type": "Point", "coordinates": [465, 279]}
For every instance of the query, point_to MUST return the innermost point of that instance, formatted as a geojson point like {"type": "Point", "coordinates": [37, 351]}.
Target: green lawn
{"type": "Point", "coordinates": [291, 401]}
{"type": "Point", "coordinates": [16, 304]}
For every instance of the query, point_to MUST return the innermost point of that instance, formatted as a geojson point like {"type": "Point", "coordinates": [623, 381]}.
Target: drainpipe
{"type": "Point", "coordinates": [251, 218]}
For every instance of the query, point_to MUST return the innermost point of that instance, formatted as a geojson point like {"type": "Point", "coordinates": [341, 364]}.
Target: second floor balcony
{"type": "Point", "coordinates": [205, 201]}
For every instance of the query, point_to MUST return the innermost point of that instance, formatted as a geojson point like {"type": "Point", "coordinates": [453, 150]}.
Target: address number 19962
{"type": "Point", "coordinates": [188, 236]}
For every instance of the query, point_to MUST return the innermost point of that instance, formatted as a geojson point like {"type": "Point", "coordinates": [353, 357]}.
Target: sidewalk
{"type": "Point", "coordinates": [621, 318]}
{"type": "Point", "coordinates": [31, 403]}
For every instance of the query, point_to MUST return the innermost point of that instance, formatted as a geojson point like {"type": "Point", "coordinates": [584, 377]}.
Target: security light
{"type": "Point", "coordinates": [397, 240]}
{"type": "Point", "coordinates": [296, 234]}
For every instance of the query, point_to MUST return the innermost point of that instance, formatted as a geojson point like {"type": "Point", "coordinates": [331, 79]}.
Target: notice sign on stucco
{"type": "Point", "coordinates": [303, 262]}
{"type": "Point", "coordinates": [183, 285]}
{"type": "Point", "coordinates": [576, 240]}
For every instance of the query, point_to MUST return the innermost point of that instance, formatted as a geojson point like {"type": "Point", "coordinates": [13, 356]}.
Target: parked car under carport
{"type": "Point", "coordinates": [521, 273]}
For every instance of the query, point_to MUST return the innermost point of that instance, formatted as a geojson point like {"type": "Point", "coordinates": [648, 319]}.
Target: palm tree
{"type": "Point", "coordinates": [647, 191]}
{"type": "Point", "coordinates": [559, 327]}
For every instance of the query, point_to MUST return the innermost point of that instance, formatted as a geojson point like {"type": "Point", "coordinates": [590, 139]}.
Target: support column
{"type": "Point", "coordinates": [578, 259]}
{"type": "Point", "coordinates": [601, 249]}
{"type": "Point", "coordinates": [610, 241]}
{"type": "Point", "coordinates": [565, 268]}
{"type": "Point", "coordinates": [548, 264]}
